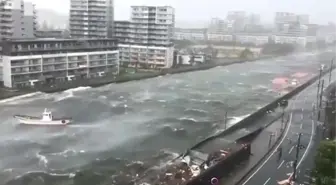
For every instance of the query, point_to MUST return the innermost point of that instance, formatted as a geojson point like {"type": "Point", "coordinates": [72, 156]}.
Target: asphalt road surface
{"type": "Point", "coordinates": [278, 167]}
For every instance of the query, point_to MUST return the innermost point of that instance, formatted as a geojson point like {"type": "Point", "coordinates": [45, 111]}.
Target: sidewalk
{"type": "Point", "coordinates": [259, 147]}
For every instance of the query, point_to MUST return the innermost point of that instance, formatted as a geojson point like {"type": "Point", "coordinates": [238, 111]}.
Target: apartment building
{"type": "Point", "coordinates": [284, 17]}
{"type": "Point", "coordinates": [190, 34]}
{"type": "Point", "coordinates": [18, 19]}
{"type": "Point", "coordinates": [257, 39]}
{"type": "Point", "coordinates": [287, 39]}
{"type": "Point", "coordinates": [91, 18]}
{"type": "Point", "coordinates": [218, 26]}
{"type": "Point", "coordinates": [51, 34]}
{"type": "Point", "coordinates": [29, 20]}
{"type": "Point", "coordinates": [146, 38]}
{"type": "Point", "coordinates": [28, 62]}
{"type": "Point", "coordinates": [220, 37]}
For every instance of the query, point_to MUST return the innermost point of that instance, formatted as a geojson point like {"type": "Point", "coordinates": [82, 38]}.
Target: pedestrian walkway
{"type": "Point", "coordinates": [259, 147]}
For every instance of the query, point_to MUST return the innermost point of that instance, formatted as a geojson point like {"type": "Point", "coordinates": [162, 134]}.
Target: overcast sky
{"type": "Point", "coordinates": [321, 11]}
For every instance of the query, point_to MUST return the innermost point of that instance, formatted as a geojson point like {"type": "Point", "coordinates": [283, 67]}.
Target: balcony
{"type": "Point", "coordinates": [26, 70]}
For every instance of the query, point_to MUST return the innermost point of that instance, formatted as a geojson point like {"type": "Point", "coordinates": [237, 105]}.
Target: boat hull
{"type": "Point", "coordinates": [26, 120]}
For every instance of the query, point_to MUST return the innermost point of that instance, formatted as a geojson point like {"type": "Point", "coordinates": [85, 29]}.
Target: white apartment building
{"type": "Point", "coordinates": [91, 18]}
{"type": "Point", "coordinates": [220, 37]}
{"type": "Point", "coordinates": [146, 57]}
{"type": "Point", "coordinates": [29, 62]}
{"type": "Point", "coordinates": [190, 34]}
{"type": "Point", "coordinates": [285, 39]}
{"type": "Point", "coordinates": [254, 39]}
{"type": "Point", "coordinates": [150, 27]}
{"type": "Point", "coordinates": [18, 19]}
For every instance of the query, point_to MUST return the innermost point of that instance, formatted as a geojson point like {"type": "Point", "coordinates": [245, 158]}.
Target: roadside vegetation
{"type": "Point", "coordinates": [324, 172]}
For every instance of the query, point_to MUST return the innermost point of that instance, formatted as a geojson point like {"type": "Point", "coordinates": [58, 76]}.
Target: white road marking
{"type": "Point", "coordinates": [301, 126]}
{"type": "Point", "coordinates": [290, 151]}
{"type": "Point", "coordinates": [284, 137]}
{"type": "Point", "coordinates": [305, 153]}
{"type": "Point", "coordinates": [302, 116]}
{"type": "Point", "coordinates": [281, 164]}
{"type": "Point", "coordinates": [267, 181]}
{"type": "Point", "coordinates": [310, 141]}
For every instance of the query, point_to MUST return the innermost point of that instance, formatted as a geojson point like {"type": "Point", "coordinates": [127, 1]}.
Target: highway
{"type": "Point", "coordinates": [276, 166]}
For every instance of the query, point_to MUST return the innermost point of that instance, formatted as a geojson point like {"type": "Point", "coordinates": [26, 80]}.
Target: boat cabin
{"type": "Point", "coordinates": [47, 116]}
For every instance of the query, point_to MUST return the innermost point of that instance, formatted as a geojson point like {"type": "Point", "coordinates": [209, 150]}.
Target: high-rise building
{"type": "Point", "coordinates": [303, 19]}
{"type": "Point", "coordinates": [238, 19]}
{"type": "Point", "coordinates": [18, 19]}
{"type": "Point", "coordinates": [284, 17]}
{"type": "Point", "coordinates": [218, 26]}
{"type": "Point", "coordinates": [145, 40]}
{"type": "Point", "coordinates": [91, 18]}
{"type": "Point", "coordinates": [29, 20]}
{"type": "Point", "coordinates": [254, 19]}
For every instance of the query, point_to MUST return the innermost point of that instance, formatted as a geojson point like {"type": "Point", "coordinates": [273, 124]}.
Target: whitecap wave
{"type": "Point", "coordinates": [16, 99]}
{"type": "Point", "coordinates": [42, 159]}
{"type": "Point", "coordinates": [77, 89]}
{"type": "Point", "coordinates": [233, 120]}
{"type": "Point", "coordinates": [68, 93]}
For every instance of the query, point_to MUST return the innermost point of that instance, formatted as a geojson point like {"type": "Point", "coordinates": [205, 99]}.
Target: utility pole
{"type": "Point", "coordinates": [320, 103]}
{"type": "Point", "coordinates": [296, 156]}
{"type": "Point", "coordinates": [331, 67]}
{"type": "Point", "coordinates": [282, 118]}
{"type": "Point", "coordinates": [318, 87]}
{"type": "Point", "coordinates": [321, 94]}
{"type": "Point", "coordinates": [225, 120]}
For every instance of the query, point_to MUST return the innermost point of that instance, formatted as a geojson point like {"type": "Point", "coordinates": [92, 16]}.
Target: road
{"type": "Point", "coordinates": [278, 167]}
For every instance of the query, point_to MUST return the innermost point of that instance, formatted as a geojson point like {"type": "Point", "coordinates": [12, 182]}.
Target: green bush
{"type": "Point", "coordinates": [324, 172]}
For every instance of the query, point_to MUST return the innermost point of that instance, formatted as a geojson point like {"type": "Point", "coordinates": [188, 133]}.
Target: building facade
{"type": "Point", "coordinates": [220, 37]}
{"type": "Point", "coordinates": [91, 18]}
{"type": "Point", "coordinates": [52, 34]}
{"type": "Point", "coordinates": [28, 62]}
{"type": "Point", "coordinates": [287, 39]}
{"type": "Point", "coordinates": [190, 34]}
{"type": "Point", "coordinates": [29, 20]}
{"type": "Point", "coordinates": [150, 29]}
{"type": "Point", "coordinates": [256, 39]}
{"type": "Point", "coordinates": [18, 19]}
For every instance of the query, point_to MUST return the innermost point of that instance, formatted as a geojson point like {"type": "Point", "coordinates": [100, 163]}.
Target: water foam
{"type": "Point", "coordinates": [68, 93]}
{"type": "Point", "coordinates": [21, 97]}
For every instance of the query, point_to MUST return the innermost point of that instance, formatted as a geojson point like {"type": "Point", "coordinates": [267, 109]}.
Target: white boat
{"type": "Point", "coordinates": [46, 119]}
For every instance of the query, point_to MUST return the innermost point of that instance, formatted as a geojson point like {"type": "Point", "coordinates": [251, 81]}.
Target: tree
{"type": "Point", "coordinates": [246, 53]}
{"type": "Point", "coordinates": [324, 171]}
